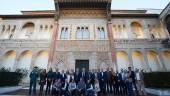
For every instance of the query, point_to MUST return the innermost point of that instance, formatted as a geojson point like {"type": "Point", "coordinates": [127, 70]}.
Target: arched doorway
{"type": "Point", "coordinates": [42, 60]}
{"type": "Point", "coordinates": [25, 60]}
{"type": "Point", "coordinates": [9, 59]}
{"type": "Point", "coordinates": [153, 60]}
{"type": "Point", "coordinates": [122, 60]}
{"type": "Point", "coordinates": [138, 60]}
{"type": "Point", "coordinates": [166, 59]}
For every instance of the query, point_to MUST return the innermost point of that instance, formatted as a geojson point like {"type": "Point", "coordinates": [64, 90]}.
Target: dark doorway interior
{"type": "Point", "coordinates": [82, 64]}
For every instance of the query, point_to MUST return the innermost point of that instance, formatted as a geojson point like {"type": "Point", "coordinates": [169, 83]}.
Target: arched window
{"type": "Point", "coordinates": [12, 32]}
{"type": "Point", "coordinates": [82, 33]}
{"type": "Point", "coordinates": [27, 30]}
{"type": "Point", "coordinates": [8, 29]}
{"type": "Point", "coordinates": [155, 31]}
{"type": "Point", "coordinates": [100, 34]}
{"type": "Point", "coordinates": [64, 33]}
{"type": "Point", "coordinates": [78, 33]}
{"type": "Point", "coordinates": [137, 30]}
{"type": "Point", "coordinates": [86, 33]}
{"type": "Point", "coordinates": [41, 28]}
{"type": "Point", "coordinates": [3, 29]}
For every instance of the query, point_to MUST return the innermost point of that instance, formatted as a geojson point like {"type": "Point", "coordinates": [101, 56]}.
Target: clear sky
{"type": "Point", "coordinates": [15, 6]}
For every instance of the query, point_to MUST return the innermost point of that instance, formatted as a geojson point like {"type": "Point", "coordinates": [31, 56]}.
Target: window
{"type": "Point", "coordinates": [3, 28]}
{"type": "Point", "coordinates": [64, 33]}
{"type": "Point", "coordinates": [137, 30]}
{"type": "Point", "coordinates": [100, 34]}
{"type": "Point", "coordinates": [86, 33]}
{"type": "Point", "coordinates": [28, 30]}
{"type": "Point", "coordinates": [82, 33]}
{"type": "Point", "coordinates": [154, 31]}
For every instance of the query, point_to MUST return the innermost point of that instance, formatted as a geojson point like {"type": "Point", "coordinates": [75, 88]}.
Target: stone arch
{"type": "Point", "coordinates": [41, 60]}
{"type": "Point", "coordinates": [166, 58]}
{"type": "Point", "coordinates": [138, 60]}
{"type": "Point", "coordinates": [153, 60]}
{"type": "Point", "coordinates": [137, 30]}
{"type": "Point", "coordinates": [9, 59]}
{"type": "Point", "coordinates": [122, 60]}
{"type": "Point", "coordinates": [25, 60]}
{"type": "Point", "coordinates": [27, 30]}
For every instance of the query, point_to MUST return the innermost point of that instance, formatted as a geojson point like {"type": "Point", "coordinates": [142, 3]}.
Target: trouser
{"type": "Point", "coordinates": [89, 93]}
{"type": "Point", "coordinates": [102, 87]}
{"type": "Point", "coordinates": [41, 88]}
{"type": "Point", "coordinates": [122, 87]}
{"type": "Point", "coordinates": [134, 84]}
{"type": "Point", "coordinates": [116, 88]}
{"type": "Point", "coordinates": [109, 86]}
{"type": "Point", "coordinates": [140, 86]}
{"type": "Point", "coordinates": [129, 88]}
{"type": "Point", "coordinates": [48, 88]}
{"type": "Point", "coordinates": [32, 86]}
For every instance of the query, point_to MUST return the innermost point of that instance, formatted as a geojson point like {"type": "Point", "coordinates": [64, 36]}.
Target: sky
{"type": "Point", "coordinates": [15, 6]}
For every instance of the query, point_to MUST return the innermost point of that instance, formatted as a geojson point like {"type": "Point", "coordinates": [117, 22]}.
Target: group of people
{"type": "Point", "coordinates": [95, 82]}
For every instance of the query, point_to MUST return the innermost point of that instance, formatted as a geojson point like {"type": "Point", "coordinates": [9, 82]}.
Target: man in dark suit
{"type": "Point", "coordinates": [133, 77]}
{"type": "Point", "coordinates": [77, 75]}
{"type": "Point", "coordinates": [102, 81]}
{"type": "Point", "coordinates": [92, 76]}
{"type": "Point", "coordinates": [33, 80]}
{"type": "Point", "coordinates": [121, 82]}
{"type": "Point", "coordinates": [63, 76]}
{"type": "Point", "coordinates": [56, 75]}
{"type": "Point", "coordinates": [84, 75]}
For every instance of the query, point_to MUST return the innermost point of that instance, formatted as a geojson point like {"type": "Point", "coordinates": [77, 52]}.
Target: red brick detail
{"type": "Point", "coordinates": [111, 43]}
{"type": "Point", "coordinates": [53, 44]}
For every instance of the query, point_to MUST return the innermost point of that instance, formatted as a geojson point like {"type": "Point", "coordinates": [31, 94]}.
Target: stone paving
{"type": "Point", "coordinates": [24, 92]}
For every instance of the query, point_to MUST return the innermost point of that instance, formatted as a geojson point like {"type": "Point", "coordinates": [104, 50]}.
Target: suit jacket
{"type": "Point", "coordinates": [85, 76]}
{"type": "Point", "coordinates": [77, 76]}
{"type": "Point", "coordinates": [103, 77]}
{"type": "Point", "coordinates": [63, 77]}
{"type": "Point", "coordinates": [120, 76]}
{"type": "Point", "coordinates": [56, 75]}
{"type": "Point", "coordinates": [133, 76]}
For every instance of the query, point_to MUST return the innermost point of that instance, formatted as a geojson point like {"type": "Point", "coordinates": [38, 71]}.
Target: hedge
{"type": "Point", "coordinates": [157, 79]}
{"type": "Point", "coordinates": [10, 78]}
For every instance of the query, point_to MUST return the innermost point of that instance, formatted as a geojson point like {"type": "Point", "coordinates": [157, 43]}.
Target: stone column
{"type": "Point", "coordinates": [144, 53]}
{"type": "Point", "coordinates": [33, 60]}
{"type": "Point", "coordinates": [146, 31]}
{"type": "Point", "coordinates": [128, 29]}
{"type": "Point", "coordinates": [53, 44]}
{"type": "Point", "coordinates": [130, 58]}
{"type": "Point", "coordinates": [16, 61]}
{"type": "Point", "coordinates": [111, 42]}
{"type": "Point", "coordinates": [161, 60]}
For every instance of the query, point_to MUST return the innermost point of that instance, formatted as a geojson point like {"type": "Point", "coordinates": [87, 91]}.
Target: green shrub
{"type": "Point", "coordinates": [157, 79]}
{"type": "Point", "coordinates": [8, 78]}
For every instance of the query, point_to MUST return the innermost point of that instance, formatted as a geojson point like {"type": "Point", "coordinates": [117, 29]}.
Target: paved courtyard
{"type": "Point", "coordinates": [24, 92]}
